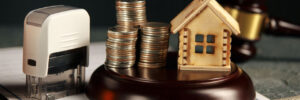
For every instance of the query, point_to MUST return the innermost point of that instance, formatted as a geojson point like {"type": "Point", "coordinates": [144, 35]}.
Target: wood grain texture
{"type": "Point", "coordinates": [185, 16]}
{"type": "Point", "coordinates": [204, 19]}
{"type": "Point", "coordinates": [196, 7]}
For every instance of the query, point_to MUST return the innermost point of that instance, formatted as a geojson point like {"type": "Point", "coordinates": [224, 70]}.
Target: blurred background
{"type": "Point", "coordinates": [102, 13]}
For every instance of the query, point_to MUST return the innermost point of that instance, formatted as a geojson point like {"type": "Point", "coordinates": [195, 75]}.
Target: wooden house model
{"type": "Point", "coordinates": [205, 30]}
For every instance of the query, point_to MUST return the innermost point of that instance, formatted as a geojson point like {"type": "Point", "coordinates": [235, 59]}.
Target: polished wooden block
{"type": "Point", "coordinates": [169, 83]}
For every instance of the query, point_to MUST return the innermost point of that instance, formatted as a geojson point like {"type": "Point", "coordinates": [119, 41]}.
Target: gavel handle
{"type": "Point", "coordinates": [280, 27]}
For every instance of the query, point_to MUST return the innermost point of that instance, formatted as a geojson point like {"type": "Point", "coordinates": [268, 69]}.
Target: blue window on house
{"type": "Point", "coordinates": [199, 38]}
{"type": "Point", "coordinates": [208, 44]}
{"type": "Point", "coordinates": [210, 49]}
{"type": "Point", "coordinates": [199, 49]}
{"type": "Point", "coordinates": [210, 38]}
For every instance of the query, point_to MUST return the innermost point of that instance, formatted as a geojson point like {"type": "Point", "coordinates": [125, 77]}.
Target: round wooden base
{"type": "Point", "coordinates": [168, 83]}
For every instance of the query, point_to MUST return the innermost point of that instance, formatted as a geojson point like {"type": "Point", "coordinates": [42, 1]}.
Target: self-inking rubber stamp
{"type": "Point", "coordinates": [55, 52]}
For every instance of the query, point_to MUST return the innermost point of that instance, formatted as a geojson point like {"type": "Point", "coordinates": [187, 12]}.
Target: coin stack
{"type": "Point", "coordinates": [154, 45]}
{"type": "Point", "coordinates": [121, 47]}
{"type": "Point", "coordinates": [131, 12]}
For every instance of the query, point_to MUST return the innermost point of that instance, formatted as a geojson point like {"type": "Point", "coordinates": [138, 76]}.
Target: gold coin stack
{"type": "Point", "coordinates": [121, 47]}
{"type": "Point", "coordinates": [131, 12]}
{"type": "Point", "coordinates": [154, 45]}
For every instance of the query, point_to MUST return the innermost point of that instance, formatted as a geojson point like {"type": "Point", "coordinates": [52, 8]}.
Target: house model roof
{"type": "Point", "coordinates": [194, 8]}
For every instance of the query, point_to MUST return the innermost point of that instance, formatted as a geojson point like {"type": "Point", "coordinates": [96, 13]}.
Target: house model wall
{"type": "Point", "coordinates": [205, 30]}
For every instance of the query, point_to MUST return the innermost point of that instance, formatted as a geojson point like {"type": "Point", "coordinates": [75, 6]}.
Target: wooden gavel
{"type": "Point", "coordinates": [253, 18]}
